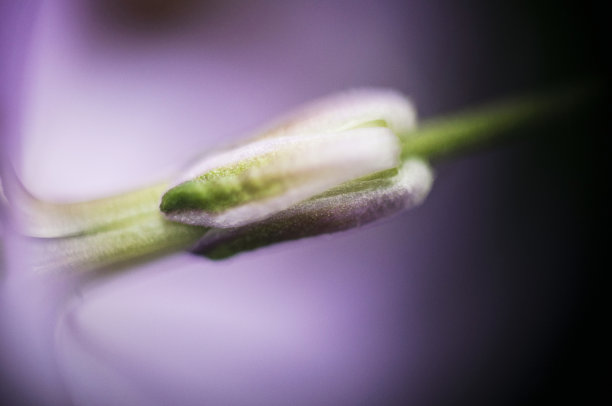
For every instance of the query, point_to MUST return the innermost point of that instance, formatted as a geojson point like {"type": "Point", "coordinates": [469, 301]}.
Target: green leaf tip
{"type": "Point", "coordinates": [222, 188]}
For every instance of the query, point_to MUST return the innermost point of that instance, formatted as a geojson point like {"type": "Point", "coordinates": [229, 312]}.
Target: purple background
{"type": "Point", "coordinates": [485, 294]}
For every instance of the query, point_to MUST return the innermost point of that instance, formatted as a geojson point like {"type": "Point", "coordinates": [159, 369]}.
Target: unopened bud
{"type": "Point", "coordinates": [319, 147]}
{"type": "Point", "coordinates": [350, 205]}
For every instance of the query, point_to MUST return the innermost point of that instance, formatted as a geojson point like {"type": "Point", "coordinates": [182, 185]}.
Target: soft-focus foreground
{"type": "Point", "coordinates": [479, 296]}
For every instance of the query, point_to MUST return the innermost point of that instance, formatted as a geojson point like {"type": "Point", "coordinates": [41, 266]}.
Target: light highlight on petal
{"type": "Point", "coordinates": [349, 205]}
{"type": "Point", "coordinates": [270, 175]}
{"type": "Point", "coordinates": [317, 147]}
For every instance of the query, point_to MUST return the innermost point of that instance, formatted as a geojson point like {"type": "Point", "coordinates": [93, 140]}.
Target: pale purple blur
{"type": "Point", "coordinates": [409, 310]}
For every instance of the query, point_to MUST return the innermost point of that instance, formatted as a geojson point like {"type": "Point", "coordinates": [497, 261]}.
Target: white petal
{"type": "Point", "coordinates": [331, 212]}
{"type": "Point", "coordinates": [304, 166]}
{"type": "Point", "coordinates": [346, 110]}
{"type": "Point", "coordinates": [337, 112]}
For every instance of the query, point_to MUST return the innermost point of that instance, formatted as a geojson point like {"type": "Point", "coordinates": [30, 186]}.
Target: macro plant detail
{"type": "Point", "coordinates": [337, 163]}
{"type": "Point", "coordinates": [306, 203]}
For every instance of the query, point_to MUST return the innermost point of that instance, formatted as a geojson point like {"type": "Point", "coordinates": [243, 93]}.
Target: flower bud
{"type": "Point", "coordinates": [349, 205]}
{"type": "Point", "coordinates": [319, 147]}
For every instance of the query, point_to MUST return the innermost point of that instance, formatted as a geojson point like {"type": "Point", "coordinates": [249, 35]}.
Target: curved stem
{"type": "Point", "coordinates": [44, 219]}
{"type": "Point", "coordinates": [140, 238]}
{"type": "Point", "coordinates": [130, 227]}
{"type": "Point", "coordinates": [98, 233]}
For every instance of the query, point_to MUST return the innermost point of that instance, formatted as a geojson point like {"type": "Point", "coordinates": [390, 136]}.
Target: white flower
{"type": "Point", "coordinates": [317, 148]}
{"type": "Point", "coordinates": [346, 206]}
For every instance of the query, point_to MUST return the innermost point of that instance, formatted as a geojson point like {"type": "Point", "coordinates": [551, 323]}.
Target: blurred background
{"type": "Point", "coordinates": [487, 294]}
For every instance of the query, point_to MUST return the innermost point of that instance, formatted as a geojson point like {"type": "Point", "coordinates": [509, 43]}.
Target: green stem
{"type": "Point", "coordinates": [138, 239]}
{"type": "Point", "coordinates": [447, 136]}
{"type": "Point", "coordinates": [131, 227]}
{"type": "Point", "coordinates": [102, 233]}
{"type": "Point", "coordinates": [47, 220]}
